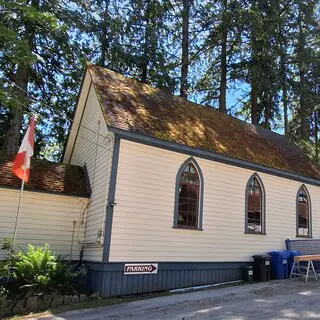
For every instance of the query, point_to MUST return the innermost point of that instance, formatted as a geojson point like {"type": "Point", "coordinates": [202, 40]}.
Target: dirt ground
{"type": "Point", "coordinates": [281, 300]}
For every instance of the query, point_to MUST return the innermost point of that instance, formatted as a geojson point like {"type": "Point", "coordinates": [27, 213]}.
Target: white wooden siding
{"type": "Point", "coordinates": [97, 159]}
{"type": "Point", "coordinates": [44, 218]}
{"type": "Point", "coordinates": [145, 194]}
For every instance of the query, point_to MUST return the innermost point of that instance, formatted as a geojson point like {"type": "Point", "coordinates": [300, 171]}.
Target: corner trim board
{"type": "Point", "coordinates": [209, 155]}
{"type": "Point", "coordinates": [111, 198]}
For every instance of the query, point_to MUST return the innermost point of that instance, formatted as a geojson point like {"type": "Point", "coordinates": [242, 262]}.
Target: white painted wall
{"type": "Point", "coordinates": [143, 218]}
{"type": "Point", "coordinates": [44, 218]}
{"type": "Point", "coordinates": [97, 157]}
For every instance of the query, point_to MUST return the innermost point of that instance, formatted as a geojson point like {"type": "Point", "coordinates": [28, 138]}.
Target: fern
{"type": "Point", "coordinates": [39, 271]}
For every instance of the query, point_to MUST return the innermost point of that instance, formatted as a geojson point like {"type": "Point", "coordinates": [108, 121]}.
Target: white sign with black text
{"type": "Point", "coordinates": [141, 268]}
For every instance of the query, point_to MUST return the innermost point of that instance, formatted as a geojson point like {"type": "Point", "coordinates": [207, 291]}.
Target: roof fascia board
{"type": "Point", "coordinates": [55, 193]}
{"type": "Point", "coordinates": [80, 106]}
{"type": "Point", "coordinates": [155, 142]}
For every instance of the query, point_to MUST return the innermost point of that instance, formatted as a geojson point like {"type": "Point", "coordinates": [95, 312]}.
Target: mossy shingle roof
{"type": "Point", "coordinates": [137, 107]}
{"type": "Point", "coordinates": [46, 176]}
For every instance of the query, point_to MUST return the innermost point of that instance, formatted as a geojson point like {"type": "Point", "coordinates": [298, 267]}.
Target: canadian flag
{"type": "Point", "coordinates": [21, 165]}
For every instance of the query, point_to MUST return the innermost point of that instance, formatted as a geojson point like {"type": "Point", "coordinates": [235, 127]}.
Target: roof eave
{"type": "Point", "coordinates": [209, 155]}
{"type": "Point", "coordinates": [67, 194]}
{"type": "Point", "coordinates": [69, 145]}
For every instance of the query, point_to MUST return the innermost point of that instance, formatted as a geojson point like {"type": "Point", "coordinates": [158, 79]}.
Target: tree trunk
{"type": "Point", "coordinates": [283, 81]}
{"type": "Point", "coordinates": [284, 95]}
{"type": "Point", "coordinates": [302, 82]}
{"type": "Point", "coordinates": [316, 129]}
{"type": "Point", "coordinates": [223, 58]}
{"type": "Point", "coordinates": [21, 80]}
{"type": "Point", "coordinates": [12, 138]}
{"type": "Point", "coordinates": [146, 49]}
{"type": "Point", "coordinates": [285, 109]}
{"type": "Point", "coordinates": [105, 24]}
{"type": "Point", "coordinates": [185, 49]}
{"type": "Point", "coordinates": [254, 76]}
{"type": "Point", "coordinates": [267, 114]}
{"type": "Point", "coordinates": [303, 111]}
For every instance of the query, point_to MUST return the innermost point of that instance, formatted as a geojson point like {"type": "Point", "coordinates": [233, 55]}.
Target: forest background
{"type": "Point", "coordinates": [258, 60]}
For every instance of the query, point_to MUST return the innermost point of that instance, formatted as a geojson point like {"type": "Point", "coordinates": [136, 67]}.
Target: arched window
{"type": "Point", "coordinates": [255, 206]}
{"type": "Point", "coordinates": [189, 195]}
{"type": "Point", "coordinates": [303, 213]}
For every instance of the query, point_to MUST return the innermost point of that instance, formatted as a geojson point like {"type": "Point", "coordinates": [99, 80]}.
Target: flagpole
{"type": "Point", "coordinates": [18, 209]}
{"type": "Point", "coordinates": [21, 165]}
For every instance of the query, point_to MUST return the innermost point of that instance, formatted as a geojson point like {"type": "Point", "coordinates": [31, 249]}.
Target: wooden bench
{"type": "Point", "coordinates": [306, 247]}
{"type": "Point", "coordinates": [296, 267]}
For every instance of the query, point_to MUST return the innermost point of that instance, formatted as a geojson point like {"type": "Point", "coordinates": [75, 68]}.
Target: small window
{"type": "Point", "coordinates": [188, 207]}
{"type": "Point", "coordinates": [255, 197]}
{"type": "Point", "coordinates": [303, 213]}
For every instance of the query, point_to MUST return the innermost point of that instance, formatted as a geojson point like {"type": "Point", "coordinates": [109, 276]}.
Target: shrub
{"type": "Point", "coordinates": [3, 295]}
{"type": "Point", "coordinates": [38, 271]}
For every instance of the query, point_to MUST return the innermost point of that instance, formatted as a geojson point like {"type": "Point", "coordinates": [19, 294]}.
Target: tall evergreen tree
{"type": "Point", "coordinates": [221, 47]}
{"type": "Point", "coordinates": [269, 49]}
{"type": "Point", "coordinates": [37, 60]}
{"type": "Point", "coordinates": [145, 42]}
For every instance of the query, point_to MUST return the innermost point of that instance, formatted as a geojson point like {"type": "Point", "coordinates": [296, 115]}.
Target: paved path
{"type": "Point", "coordinates": [281, 300]}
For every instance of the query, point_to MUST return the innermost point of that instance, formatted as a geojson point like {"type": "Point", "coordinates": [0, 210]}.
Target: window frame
{"type": "Point", "coordinates": [201, 193]}
{"type": "Point", "coordinates": [263, 206]}
{"type": "Point", "coordinates": [309, 213]}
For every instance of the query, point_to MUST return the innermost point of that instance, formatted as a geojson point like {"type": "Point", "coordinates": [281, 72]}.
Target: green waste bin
{"type": "Point", "coordinates": [247, 273]}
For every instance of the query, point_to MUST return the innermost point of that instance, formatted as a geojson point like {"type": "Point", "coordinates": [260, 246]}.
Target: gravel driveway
{"type": "Point", "coordinates": [286, 299]}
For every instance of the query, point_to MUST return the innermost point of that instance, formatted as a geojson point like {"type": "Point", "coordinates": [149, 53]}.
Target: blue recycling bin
{"type": "Point", "coordinates": [292, 253]}
{"type": "Point", "coordinates": [280, 269]}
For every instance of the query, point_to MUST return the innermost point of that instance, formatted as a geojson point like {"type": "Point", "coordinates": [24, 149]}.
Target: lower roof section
{"type": "Point", "coordinates": [46, 176]}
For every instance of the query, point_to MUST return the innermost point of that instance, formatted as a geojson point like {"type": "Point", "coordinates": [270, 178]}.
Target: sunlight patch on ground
{"type": "Point", "coordinates": [310, 315]}
{"type": "Point", "coordinates": [289, 313]}
{"type": "Point", "coordinates": [306, 293]}
{"type": "Point", "coordinates": [209, 310]}
{"type": "Point", "coordinates": [264, 300]}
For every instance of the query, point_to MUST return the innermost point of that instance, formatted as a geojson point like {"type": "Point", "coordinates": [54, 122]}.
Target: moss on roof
{"type": "Point", "coordinates": [46, 176]}
{"type": "Point", "coordinates": [134, 106]}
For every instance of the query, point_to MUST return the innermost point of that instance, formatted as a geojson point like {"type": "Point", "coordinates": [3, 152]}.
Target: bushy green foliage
{"type": "Point", "coordinates": [39, 271]}
{"type": "Point", "coordinates": [3, 295]}
{"type": "Point", "coordinates": [5, 265]}
{"type": "Point", "coordinates": [35, 268]}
